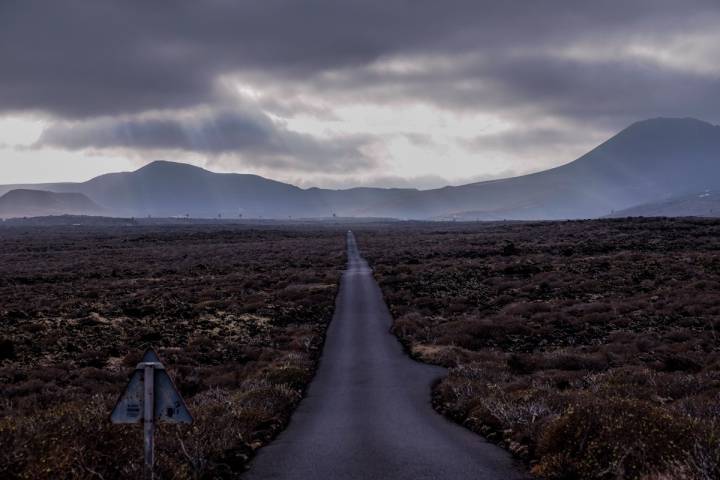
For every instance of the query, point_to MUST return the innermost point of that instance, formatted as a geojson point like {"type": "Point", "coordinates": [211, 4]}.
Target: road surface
{"type": "Point", "coordinates": [367, 414]}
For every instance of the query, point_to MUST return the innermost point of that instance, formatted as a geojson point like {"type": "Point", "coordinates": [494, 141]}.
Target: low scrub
{"type": "Point", "coordinates": [79, 306]}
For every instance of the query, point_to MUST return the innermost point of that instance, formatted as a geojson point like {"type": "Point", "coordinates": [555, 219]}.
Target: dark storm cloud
{"type": "Point", "coordinates": [525, 142]}
{"type": "Point", "coordinates": [252, 135]}
{"type": "Point", "coordinates": [603, 91]}
{"type": "Point", "coordinates": [78, 58]}
{"type": "Point", "coordinates": [610, 93]}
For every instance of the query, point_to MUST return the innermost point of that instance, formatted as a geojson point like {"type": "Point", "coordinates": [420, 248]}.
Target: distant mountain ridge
{"type": "Point", "coordinates": [650, 161]}
{"type": "Point", "coordinates": [35, 203]}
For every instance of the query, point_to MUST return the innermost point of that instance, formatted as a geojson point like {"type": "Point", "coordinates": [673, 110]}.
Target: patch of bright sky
{"type": "Point", "coordinates": [50, 165]}
{"type": "Point", "coordinates": [20, 131]}
{"type": "Point", "coordinates": [20, 164]}
{"type": "Point", "coordinates": [417, 140]}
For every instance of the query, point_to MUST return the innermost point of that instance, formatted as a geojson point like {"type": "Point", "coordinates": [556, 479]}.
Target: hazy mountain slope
{"type": "Point", "coordinates": [704, 204]}
{"type": "Point", "coordinates": [33, 203]}
{"type": "Point", "coordinates": [168, 189]}
{"type": "Point", "coordinates": [648, 162]}
{"type": "Point", "coordinates": [45, 187]}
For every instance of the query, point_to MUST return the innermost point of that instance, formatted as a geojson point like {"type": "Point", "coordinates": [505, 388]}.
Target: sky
{"type": "Point", "coordinates": [336, 93]}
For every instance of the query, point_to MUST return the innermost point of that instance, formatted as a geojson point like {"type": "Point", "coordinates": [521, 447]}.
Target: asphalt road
{"type": "Point", "coordinates": [367, 414]}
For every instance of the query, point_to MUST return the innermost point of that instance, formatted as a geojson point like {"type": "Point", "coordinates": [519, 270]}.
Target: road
{"type": "Point", "coordinates": [367, 414]}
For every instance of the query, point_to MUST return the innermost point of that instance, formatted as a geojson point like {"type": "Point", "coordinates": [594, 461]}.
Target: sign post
{"type": "Point", "coordinates": [149, 420]}
{"type": "Point", "coordinates": [150, 397]}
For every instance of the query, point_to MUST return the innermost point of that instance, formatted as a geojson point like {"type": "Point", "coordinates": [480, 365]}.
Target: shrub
{"type": "Point", "coordinates": [613, 438]}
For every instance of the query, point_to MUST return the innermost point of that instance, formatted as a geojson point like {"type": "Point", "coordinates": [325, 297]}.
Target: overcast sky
{"type": "Point", "coordinates": [341, 93]}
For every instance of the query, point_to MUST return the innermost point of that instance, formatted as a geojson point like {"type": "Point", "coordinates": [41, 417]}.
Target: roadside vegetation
{"type": "Point", "coordinates": [590, 349]}
{"type": "Point", "coordinates": [238, 316]}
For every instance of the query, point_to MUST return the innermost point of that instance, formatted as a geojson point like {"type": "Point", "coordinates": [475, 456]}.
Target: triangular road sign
{"type": "Point", "coordinates": [169, 405]}
{"type": "Point", "coordinates": [151, 356]}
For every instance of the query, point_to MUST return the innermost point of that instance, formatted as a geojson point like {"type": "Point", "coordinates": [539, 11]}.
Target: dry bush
{"type": "Point", "coordinates": [613, 438]}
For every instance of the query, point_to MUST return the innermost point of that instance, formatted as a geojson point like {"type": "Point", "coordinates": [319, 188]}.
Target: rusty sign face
{"type": "Point", "coordinates": [169, 405]}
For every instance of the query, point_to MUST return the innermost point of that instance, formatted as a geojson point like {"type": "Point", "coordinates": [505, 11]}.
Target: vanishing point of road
{"type": "Point", "coordinates": [367, 414]}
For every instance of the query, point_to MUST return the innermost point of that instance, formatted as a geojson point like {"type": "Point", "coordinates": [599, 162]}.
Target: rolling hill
{"type": "Point", "coordinates": [34, 203]}
{"type": "Point", "coordinates": [703, 204]}
{"type": "Point", "coordinates": [650, 161]}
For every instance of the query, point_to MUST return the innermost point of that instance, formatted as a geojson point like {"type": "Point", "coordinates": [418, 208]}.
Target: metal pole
{"type": "Point", "coordinates": [149, 420]}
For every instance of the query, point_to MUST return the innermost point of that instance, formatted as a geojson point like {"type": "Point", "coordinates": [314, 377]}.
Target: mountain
{"type": "Point", "coordinates": [650, 161]}
{"type": "Point", "coordinates": [34, 203]}
{"type": "Point", "coordinates": [170, 189]}
{"type": "Point", "coordinates": [647, 162]}
{"type": "Point", "coordinates": [704, 204]}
